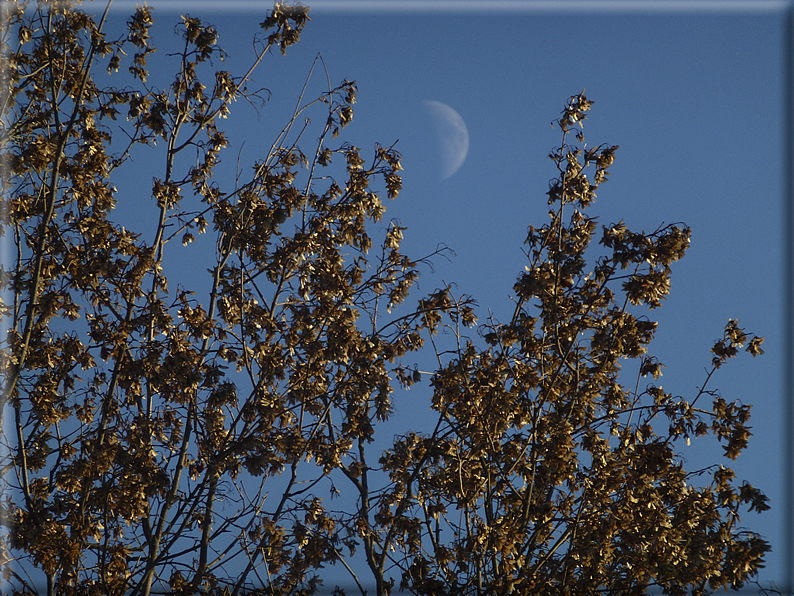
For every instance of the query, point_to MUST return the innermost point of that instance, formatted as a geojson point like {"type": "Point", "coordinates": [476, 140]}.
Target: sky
{"type": "Point", "coordinates": [693, 93]}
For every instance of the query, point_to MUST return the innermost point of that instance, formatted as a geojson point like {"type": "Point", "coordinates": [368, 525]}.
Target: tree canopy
{"type": "Point", "coordinates": [160, 438]}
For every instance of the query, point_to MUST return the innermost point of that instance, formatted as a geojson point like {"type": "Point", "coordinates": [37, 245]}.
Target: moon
{"type": "Point", "coordinates": [451, 135]}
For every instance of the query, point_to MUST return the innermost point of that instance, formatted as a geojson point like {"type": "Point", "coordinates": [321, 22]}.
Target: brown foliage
{"type": "Point", "coordinates": [165, 443]}
{"type": "Point", "coordinates": [550, 475]}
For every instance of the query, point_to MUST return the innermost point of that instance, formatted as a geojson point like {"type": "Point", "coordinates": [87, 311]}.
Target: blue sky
{"type": "Point", "coordinates": [692, 93]}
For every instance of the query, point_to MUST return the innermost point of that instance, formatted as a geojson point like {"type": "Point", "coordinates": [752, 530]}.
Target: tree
{"type": "Point", "coordinates": [553, 476]}
{"type": "Point", "coordinates": [163, 440]}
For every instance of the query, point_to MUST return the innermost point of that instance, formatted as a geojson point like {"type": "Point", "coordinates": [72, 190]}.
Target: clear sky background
{"type": "Point", "coordinates": [693, 94]}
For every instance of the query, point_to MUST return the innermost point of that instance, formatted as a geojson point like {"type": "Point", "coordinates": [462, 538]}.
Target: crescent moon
{"type": "Point", "coordinates": [452, 136]}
